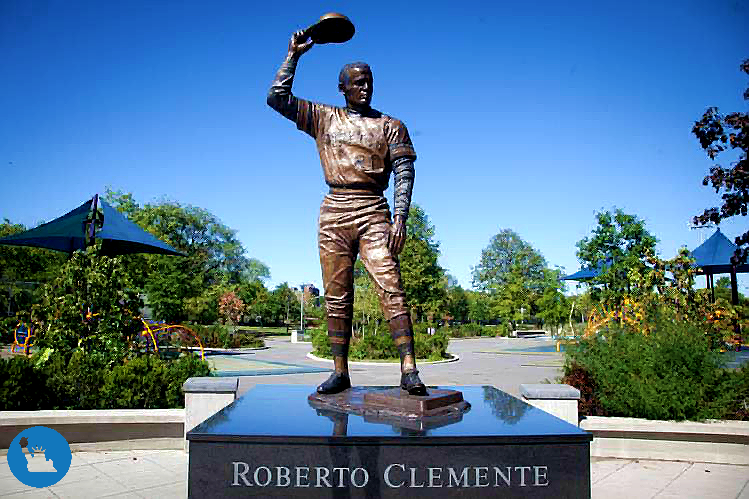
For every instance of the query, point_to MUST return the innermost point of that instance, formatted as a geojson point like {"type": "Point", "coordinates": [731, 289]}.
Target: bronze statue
{"type": "Point", "coordinates": [359, 147]}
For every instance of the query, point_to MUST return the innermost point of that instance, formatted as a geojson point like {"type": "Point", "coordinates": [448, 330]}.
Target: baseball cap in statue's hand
{"type": "Point", "coordinates": [331, 28]}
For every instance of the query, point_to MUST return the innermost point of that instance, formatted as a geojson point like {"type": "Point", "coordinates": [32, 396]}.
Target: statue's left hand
{"type": "Point", "coordinates": [397, 238]}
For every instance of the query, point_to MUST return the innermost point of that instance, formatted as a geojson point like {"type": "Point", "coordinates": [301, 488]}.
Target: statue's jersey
{"type": "Point", "coordinates": [355, 151]}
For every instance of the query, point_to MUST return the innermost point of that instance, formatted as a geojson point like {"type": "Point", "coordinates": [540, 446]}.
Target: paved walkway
{"type": "Point", "coordinates": [502, 362]}
{"type": "Point", "coordinates": [483, 361]}
{"type": "Point", "coordinates": [162, 475]}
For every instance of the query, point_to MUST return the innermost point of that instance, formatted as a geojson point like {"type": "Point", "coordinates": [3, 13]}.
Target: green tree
{"type": "Point", "coordinates": [255, 270]}
{"type": "Point", "coordinates": [178, 287]}
{"type": "Point", "coordinates": [257, 299]}
{"type": "Point", "coordinates": [479, 306]}
{"type": "Point", "coordinates": [283, 304]}
{"type": "Point", "coordinates": [619, 244]}
{"type": "Point", "coordinates": [512, 301]}
{"type": "Point", "coordinates": [457, 303]}
{"type": "Point", "coordinates": [22, 270]}
{"type": "Point", "coordinates": [511, 271]}
{"type": "Point", "coordinates": [203, 308]}
{"type": "Point", "coordinates": [420, 227]}
{"type": "Point", "coordinates": [367, 310]}
{"type": "Point", "coordinates": [718, 133]}
{"type": "Point", "coordinates": [505, 257]}
{"type": "Point", "coordinates": [553, 306]}
{"type": "Point", "coordinates": [423, 278]}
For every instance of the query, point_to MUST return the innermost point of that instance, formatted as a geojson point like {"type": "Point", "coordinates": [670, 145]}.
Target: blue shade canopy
{"type": "Point", "coordinates": [582, 275]}
{"type": "Point", "coordinates": [714, 255]}
{"type": "Point", "coordinates": [120, 236]}
{"type": "Point", "coordinates": [587, 273]}
{"type": "Point", "coordinates": [67, 233]}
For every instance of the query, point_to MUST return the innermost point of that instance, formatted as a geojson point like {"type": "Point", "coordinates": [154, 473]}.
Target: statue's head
{"type": "Point", "coordinates": [355, 83]}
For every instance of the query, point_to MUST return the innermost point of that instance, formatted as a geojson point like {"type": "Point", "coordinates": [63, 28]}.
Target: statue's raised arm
{"type": "Point", "coordinates": [280, 97]}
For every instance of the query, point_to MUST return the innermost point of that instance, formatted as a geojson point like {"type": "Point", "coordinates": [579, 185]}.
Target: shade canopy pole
{"type": "Point", "coordinates": [735, 299]}
{"type": "Point", "coordinates": [92, 225]}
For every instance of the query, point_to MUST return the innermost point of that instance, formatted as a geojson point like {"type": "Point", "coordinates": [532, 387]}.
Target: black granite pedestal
{"type": "Point", "coordinates": [273, 443]}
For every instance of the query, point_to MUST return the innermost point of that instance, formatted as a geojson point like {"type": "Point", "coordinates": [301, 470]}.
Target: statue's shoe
{"type": "Point", "coordinates": [412, 384]}
{"type": "Point", "coordinates": [335, 384]}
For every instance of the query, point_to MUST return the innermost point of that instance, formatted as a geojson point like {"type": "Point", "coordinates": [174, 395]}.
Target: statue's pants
{"type": "Point", "coordinates": [358, 223]}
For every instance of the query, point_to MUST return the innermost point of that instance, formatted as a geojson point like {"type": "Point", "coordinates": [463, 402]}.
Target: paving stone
{"type": "Point", "coordinates": [600, 468]}
{"type": "Point", "coordinates": [171, 460]}
{"type": "Point", "coordinates": [10, 485]}
{"type": "Point", "coordinates": [89, 457]}
{"type": "Point", "coordinates": [5, 471]}
{"type": "Point", "coordinates": [33, 493]}
{"type": "Point", "coordinates": [176, 490]}
{"type": "Point", "coordinates": [80, 474]}
{"type": "Point", "coordinates": [716, 481]}
{"type": "Point", "coordinates": [98, 486]}
{"type": "Point", "coordinates": [137, 473]}
{"type": "Point", "coordinates": [638, 479]}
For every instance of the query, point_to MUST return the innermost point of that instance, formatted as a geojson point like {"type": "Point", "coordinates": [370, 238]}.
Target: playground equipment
{"type": "Point", "coordinates": [630, 312]}
{"type": "Point", "coordinates": [154, 331]}
{"type": "Point", "coordinates": [23, 338]}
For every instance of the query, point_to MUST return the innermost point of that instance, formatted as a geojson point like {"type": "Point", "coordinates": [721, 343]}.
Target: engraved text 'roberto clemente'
{"type": "Point", "coordinates": [394, 476]}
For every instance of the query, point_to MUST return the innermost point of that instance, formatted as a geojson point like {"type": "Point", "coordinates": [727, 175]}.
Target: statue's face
{"type": "Point", "coordinates": [357, 88]}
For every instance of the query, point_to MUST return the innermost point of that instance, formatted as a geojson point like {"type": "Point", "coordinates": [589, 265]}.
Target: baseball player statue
{"type": "Point", "coordinates": [359, 147]}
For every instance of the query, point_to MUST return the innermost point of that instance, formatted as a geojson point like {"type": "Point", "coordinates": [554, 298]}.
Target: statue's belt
{"type": "Point", "coordinates": [366, 190]}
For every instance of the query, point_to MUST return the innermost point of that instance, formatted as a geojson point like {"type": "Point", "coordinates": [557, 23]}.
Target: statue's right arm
{"type": "Point", "coordinates": [280, 97]}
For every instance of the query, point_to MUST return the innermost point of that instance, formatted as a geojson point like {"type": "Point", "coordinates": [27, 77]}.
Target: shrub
{"type": "Point", "coordinates": [373, 346]}
{"type": "Point", "coordinates": [581, 379]}
{"type": "Point", "coordinates": [91, 304]}
{"type": "Point", "coordinates": [320, 344]}
{"type": "Point", "coordinates": [473, 330]}
{"type": "Point", "coordinates": [247, 340]}
{"type": "Point", "coordinates": [7, 330]}
{"type": "Point", "coordinates": [732, 395]}
{"type": "Point", "coordinates": [19, 388]}
{"type": "Point", "coordinates": [189, 366]}
{"type": "Point", "coordinates": [85, 382]}
{"type": "Point", "coordinates": [148, 382]}
{"type": "Point", "coordinates": [220, 336]}
{"type": "Point", "coordinates": [669, 374]}
{"type": "Point", "coordinates": [79, 386]}
{"type": "Point", "coordinates": [381, 346]}
{"type": "Point", "coordinates": [138, 384]}
{"type": "Point", "coordinates": [431, 347]}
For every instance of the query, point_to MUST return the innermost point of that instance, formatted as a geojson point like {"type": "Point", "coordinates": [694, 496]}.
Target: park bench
{"type": "Point", "coordinates": [527, 332]}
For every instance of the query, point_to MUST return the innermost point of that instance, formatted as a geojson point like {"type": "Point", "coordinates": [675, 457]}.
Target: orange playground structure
{"type": "Point", "coordinates": [153, 331]}
{"type": "Point", "coordinates": [23, 338]}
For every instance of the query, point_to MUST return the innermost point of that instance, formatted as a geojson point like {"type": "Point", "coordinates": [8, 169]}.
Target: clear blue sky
{"type": "Point", "coordinates": [524, 115]}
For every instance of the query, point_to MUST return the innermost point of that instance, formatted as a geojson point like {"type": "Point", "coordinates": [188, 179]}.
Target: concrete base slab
{"type": "Point", "coordinates": [725, 442]}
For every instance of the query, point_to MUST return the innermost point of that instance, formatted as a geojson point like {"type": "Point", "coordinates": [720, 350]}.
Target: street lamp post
{"type": "Point", "coordinates": [301, 309]}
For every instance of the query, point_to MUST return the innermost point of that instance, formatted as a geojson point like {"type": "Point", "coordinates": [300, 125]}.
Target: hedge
{"type": "Point", "coordinates": [670, 374]}
{"type": "Point", "coordinates": [381, 347]}
{"type": "Point", "coordinates": [145, 382]}
{"type": "Point", "coordinates": [219, 336]}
